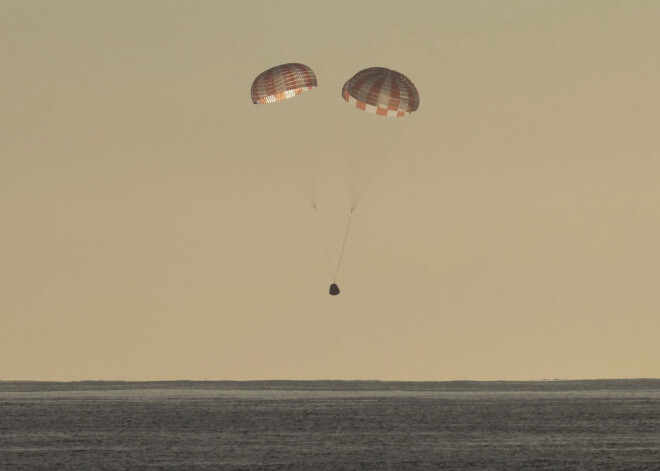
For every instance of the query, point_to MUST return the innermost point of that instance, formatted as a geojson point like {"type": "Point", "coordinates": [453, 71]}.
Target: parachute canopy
{"type": "Point", "coordinates": [282, 82]}
{"type": "Point", "coordinates": [381, 91]}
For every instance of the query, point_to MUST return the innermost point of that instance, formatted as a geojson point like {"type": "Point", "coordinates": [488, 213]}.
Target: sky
{"type": "Point", "coordinates": [157, 225]}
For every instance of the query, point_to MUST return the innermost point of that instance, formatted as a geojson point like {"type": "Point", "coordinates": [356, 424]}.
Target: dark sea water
{"type": "Point", "coordinates": [330, 425]}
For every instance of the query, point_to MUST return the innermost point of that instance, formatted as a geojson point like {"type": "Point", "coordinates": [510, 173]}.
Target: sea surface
{"type": "Point", "coordinates": [330, 425]}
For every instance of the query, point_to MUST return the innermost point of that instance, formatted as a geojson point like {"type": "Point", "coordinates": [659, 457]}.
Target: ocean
{"type": "Point", "coordinates": [330, 425]}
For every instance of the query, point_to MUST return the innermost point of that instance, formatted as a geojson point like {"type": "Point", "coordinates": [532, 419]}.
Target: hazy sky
{"type": "Point", "coordinates": [152, 224]}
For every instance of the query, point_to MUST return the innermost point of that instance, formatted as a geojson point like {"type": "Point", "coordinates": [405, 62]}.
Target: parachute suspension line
{"type": "Point", "coordinates": [343, 246]}
{"type": "Point", "coordinates": [325, 246]}
{"type": "Point", "coordinates": [310, 196]}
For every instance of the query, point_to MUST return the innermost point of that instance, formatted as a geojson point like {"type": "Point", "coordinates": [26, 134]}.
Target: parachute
{"type": "Point", "coordinates": [381, 91]}
{"type": "Point", "coordinates": [384, 92]}
{"type": "Point", "coordinates": [282, 82]}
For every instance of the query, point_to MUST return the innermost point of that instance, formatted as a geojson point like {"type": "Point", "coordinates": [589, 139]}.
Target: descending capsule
{"type": "Point", "coordinates": [282, 82]}
{"type": "Point", "coordinates": [381, 91]}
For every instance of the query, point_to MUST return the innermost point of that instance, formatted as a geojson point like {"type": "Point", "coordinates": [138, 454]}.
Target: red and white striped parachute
{"type": "Point", "coordinates": [381, 91]}
{"type": "Point", "coordinates": [282, 82]}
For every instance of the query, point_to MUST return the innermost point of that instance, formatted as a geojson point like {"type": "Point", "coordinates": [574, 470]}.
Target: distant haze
{"type": "Point", "coordinates": [156, 225]}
